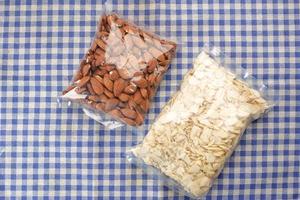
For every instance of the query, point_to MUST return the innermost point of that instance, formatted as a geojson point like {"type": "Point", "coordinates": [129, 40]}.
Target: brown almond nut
{"type": "Point", "coordinates": [99, 61]}
{"type": "Point", "coordinates": [144, 105]}
{"type": "Point", "coordinates": [137, 97]}
{"type": "Point", "coordinates": [108, 83]}
{"type": "Point", "coordinates": [83, 81]}
{"type": "Point", "coordinates": [100, 72]}
{"type": "Point", "coordinates": [139, 118]}
{"type": "Point", "coordinates": [124, 97]}
{"type": "Point", "coordinates": [113, 75]}
{"type": "Point", "coordinates": [86, 69]}
{"type": "Point", "coordinates": [132, 104]}
{"type": "Point", "coordinates": [140, 82]}
{"type": "Point", "coordinates": [152, 65]}
{"type": "Point", "coordinates": [130, 89]}
{"type": "Point", "coordinates": [90, 89]}
{"type": "Point", "coordinates": [103, 98]}
{"type": "Point", "coordinates": [119, 86]}
{"type": "Point", "coordinates": [164, 63]}
{"type": "Point", "coordinates": [99, 78]}
{"type": "Point", "coordinates": [144, 93]}
{"type": "Point", "coordinates": [97, 86]}
{"type": "Point", "coordinates": [69, 88]}
{"type": "Point", "coordinates": [129, 121]}
{"type": "Point", "coordinates": [116, 113]}
{"type": "Point", "coordinates": [95, 98]}
{"type": "Point", "coordinates": [108, 93]}
{"type": "Point", "coordinates": [99, 52]}
{"type": "Point", "coordinates": [119, 22]}
{"type": "Point", "coordinates": [100, 43]}
{"type": "Point", "coordinates": [161, 58]}
{"type": "Point", "coordinates": [111, 104]}
{"type": "Point", "coordinates": [122, 104]}
{"type": "Point", "coordinates": [128, 113]}
{"type": "Point", "coordinates": [100, 106]}
{"type": "Point", "coordinates": [151, 79]}
{"type": "Point", "coordinates": [126, 28]}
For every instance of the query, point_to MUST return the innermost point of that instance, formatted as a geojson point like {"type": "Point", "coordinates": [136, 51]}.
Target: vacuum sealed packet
{"type": "Point", "coordinates": [200, 126]}
{"type": "Point", "coordinates": [121, 71]}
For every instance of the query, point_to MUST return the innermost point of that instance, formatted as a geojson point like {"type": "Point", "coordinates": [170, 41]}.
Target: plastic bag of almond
{"type": "Point", "coordinates": [119, 74]}
{"type": "Point", "coordinates": [200, 126]}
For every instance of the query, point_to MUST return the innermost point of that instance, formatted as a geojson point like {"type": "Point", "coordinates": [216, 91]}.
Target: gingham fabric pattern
{"type": "Point", "coordinates": [53, 152]}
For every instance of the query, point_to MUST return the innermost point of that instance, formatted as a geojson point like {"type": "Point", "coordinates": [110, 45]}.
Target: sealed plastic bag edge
{"type": "Point", "coordinates": [245, 77]}
{"type": "Point", "coordinates": [103, 118]}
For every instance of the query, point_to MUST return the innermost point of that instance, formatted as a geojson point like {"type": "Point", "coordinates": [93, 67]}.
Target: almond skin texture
{"type": "Point", "coordinates": [130, 89]}
{"type": "Point", "coordinates": [113, 75]}
{"type": "Point", "coordinates": [99, 78]}
{"type": "Point", "coordinates": [108, 83]}
{"type": "Point", "coordinates": [97, 86]}
{"type": "Point", "coordinates": [137, 97]}
{"type": "Point", "coordinates": [144, 93]}
{"type": "Point", "coordinates": [86, 69]}
{"type": "Point", "coordinates": [100, 72]}
{"type": "Point", "coordinates": [151, 79]}
{"type": "Point", "coordinates": [108, 93]}
{"type": "Point", "coordinates": [128, 113]}
{"type": "Point", "coordinates": [124, 97]}
{"type": "Point", "coordinates": [103, 98]}
{"type": "Point", "coordinates": [95, 98]}
{"type": "Point", "coordinates": [111, 104]}
{"type": "Point", "coordinates": [90, 89]}
{"type": "Point", "coordinates": [140, 82]}
{"type": "Point", "coordinates": [152, 65]}
{"type": "Point", "coordinates": [116, 113]}
{"type": "Point", "coordinates": [119, 86]}
{"type": "Point", "coordinates": [100, 43]}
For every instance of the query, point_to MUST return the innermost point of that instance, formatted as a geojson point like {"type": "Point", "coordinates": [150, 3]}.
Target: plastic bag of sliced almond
{"type": "Point", "coordinates": [120, 72]}
{"type": "Point", "coordinates": [200, 126]}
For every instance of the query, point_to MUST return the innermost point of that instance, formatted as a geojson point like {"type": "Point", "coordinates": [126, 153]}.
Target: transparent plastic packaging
{"type": "Point", "coordinates": [199, 128]}
{"type": "Point", "coordinates": [120, 72]}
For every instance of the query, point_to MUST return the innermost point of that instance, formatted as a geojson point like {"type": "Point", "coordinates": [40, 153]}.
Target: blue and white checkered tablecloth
{"type": "Point", "coordinates": [47, 151]}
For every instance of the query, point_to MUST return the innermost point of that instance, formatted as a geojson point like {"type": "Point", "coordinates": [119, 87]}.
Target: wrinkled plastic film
{"type": "Point", "coordinates": [198, 129]}
{"type": "Point", "coordinates": [120, 73]}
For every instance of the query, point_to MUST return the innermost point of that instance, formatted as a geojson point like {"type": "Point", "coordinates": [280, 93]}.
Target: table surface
{"type": "Point", "coordinates": [48, 151]}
